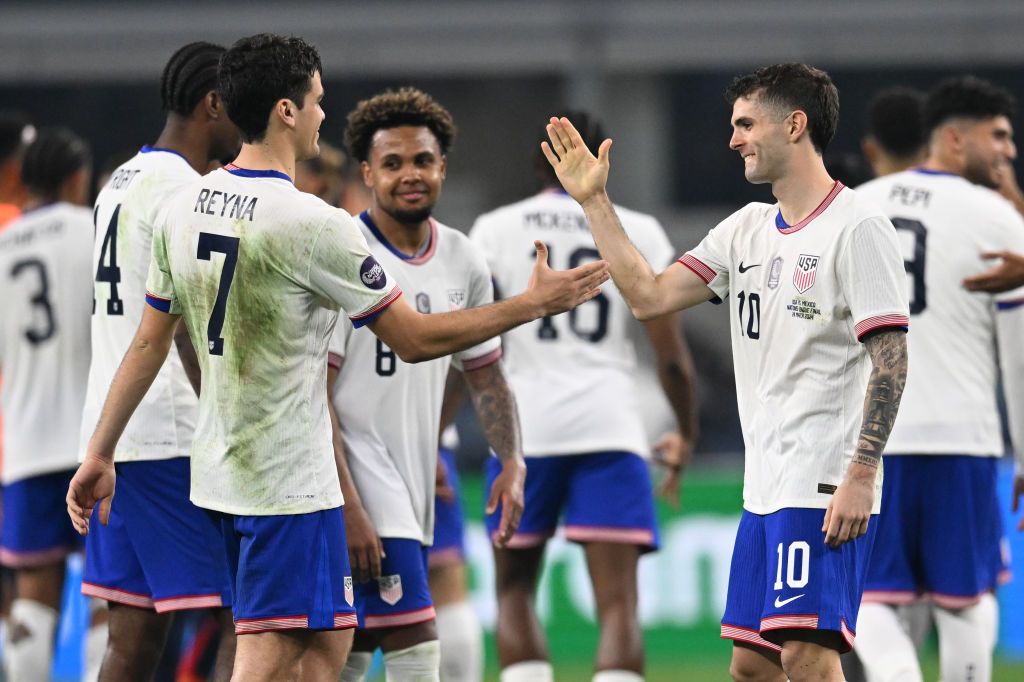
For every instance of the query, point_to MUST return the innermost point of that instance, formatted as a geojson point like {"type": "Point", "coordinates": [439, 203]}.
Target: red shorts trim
{"type": "Point", "coordinates": [737, 633]}
{"type": "Point", "coordinates": [394, 620]}
{"type": "Point", "coordinates": [140, 601]}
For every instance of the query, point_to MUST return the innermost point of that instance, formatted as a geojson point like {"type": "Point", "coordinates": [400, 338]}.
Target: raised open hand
{"type": "Point", "coordinates": [581, 174]}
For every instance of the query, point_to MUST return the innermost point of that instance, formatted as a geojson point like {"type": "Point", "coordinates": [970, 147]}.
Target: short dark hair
{"type": "Point", "coordinates": [794, 86]}
{"type": "Point", "coordinates": [393, 109]}
{"type": "Point", "coordinates": [257, 72]}
{"type": "Point", "coordinates": [590, 130]}
{"type": "Point", "coordinates": [191, 72]}
{"type": "Point", "coordinates": [54, 156]}
{"type": "Point", "coordinates": [895, 119]}
{"type": "Point", "coordinates": [966, 97]}
{"type": "Point", "coordinates": [16, 132]}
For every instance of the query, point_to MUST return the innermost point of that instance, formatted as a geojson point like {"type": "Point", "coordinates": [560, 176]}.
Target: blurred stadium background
{"type": "Point", "coordinates": [653, 70]}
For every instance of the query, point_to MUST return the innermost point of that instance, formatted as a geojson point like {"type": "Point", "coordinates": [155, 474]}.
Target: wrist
{"type": "Point", "coordinates": [860, 472]}
{"type": "Point", "coordinates": [597, 200]}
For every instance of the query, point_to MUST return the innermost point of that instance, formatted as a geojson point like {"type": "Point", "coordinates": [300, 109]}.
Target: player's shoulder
{"type": "Point", "coordinates": [502, 216]}
{"type": "Point", "coordinates": [750, 216]}
{"type": "Point", "coordinates": [455, 244]}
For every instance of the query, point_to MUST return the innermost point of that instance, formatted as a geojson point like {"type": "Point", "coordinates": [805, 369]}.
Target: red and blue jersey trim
{"type": "Point", "coordinates": [249, 173]}
{"type": "Point", "coordinates": [1009, 305]}
{"type": "Point", "coordinates": [785, 228]}
{"type": "Point", "coordinates": [420, 259]}
{"type": "Point", "coordinates": [158, 302]}
{"type": "Point", "coordinates": [365, 318]}
{"type": "Point", "coordinates": [880, 322]}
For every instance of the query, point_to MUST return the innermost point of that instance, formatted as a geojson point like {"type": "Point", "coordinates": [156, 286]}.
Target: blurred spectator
{"type": "Point", "coordinates": [16, 133]}
{"type": "Point", "coordinates": [895, 138]}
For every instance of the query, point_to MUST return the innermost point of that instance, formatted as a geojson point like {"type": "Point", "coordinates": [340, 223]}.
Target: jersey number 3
{"type": "Point", "coordinates": [218, 243]}
{"type": "Point", "coordinates": [915, 267]}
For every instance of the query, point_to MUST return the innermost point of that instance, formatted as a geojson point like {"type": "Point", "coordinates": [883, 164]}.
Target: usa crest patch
{"type": "Point", "coordinates": [350, 597]}
{"type": "Point", "coordinates": [456, 299]}
{"type": "Point", "coordinates": [390, 588]}
{"type": "Point", "coordinates": [803, 274]}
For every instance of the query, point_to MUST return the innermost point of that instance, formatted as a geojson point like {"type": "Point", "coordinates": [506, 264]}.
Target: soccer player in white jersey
{"type": "Point", "coordinates": [807, 280]}
{"type": "Point", "coordinates": [44, 356]}
{"type": "Point", "coordinates": [389, 411]}
{"type": "Point", "coordinates": [583, 433]}
{"type": "Point", "coordinates": [258, 272]}
{"type": "Point", "coordinates": [947, 442]}
{"type": "Point", "coordinates": [159, 553]}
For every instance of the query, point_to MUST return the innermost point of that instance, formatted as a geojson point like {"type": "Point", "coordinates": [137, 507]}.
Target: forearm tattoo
{"type": "Point", "coordinates": [496, 409]}
{"type": "Point", "coordinates": [888, 351]}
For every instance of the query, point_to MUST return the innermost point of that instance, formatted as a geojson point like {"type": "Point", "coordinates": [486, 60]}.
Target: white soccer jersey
{"type": "Point", "coordinates": [259, 270]}
{"type": "Point", "coordinates": [944, 223]}
{"type": "Point", "coordinates": [389, 410]}
{"type": "Point", "coordinates": [44, 338]}
{"type": "Point", "coordinates": [800, 296]}
{"type": "Point", "coordinates": [573, 374]}
{"type": "Point", "coordinates": [125, 212]}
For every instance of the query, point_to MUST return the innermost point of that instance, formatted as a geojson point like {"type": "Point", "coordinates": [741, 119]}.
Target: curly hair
{"type": "Point", "coordinates": [260, 70]}
{"type": "Point", "coordinates": [54, 156]}
{"type": "Point", "coordinates": [794, 86]}
{"type": "Point", "coordinates": [393, 109]}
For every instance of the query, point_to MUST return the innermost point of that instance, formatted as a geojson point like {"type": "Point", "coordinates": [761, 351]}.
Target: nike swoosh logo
{"type": "Point", "coordinates": [779, 604]}
{"type": "Point", "coordinates": [744, 269]}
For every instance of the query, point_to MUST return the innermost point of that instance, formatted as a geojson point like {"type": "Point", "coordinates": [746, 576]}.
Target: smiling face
{"type": "Point", "coordinates": [405, 171]}
{"type": "Point", "coordinates": [988, 147]}
{"type": "Point", "coordinates": [308, 120]}
{"type": "Point", "coordinates": [758, 134]}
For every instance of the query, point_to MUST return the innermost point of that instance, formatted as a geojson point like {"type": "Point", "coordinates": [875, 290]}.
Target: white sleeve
{"type": "Point", "coordinates": [480, 292]}
{"type": "Point", "coordinates": [873, 278]}
{"type": "Point", "coordinates": [339, 339]}
{"type": "Point", "coordinates": [342, 270]}
{"type": "Point", "coordinates": [711, 259]}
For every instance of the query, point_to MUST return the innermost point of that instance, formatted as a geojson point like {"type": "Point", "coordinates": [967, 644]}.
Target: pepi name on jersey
{"type": "Point", "coordinates": [215, 202]}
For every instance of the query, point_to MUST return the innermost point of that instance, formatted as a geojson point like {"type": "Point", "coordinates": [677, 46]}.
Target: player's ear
{"type": "Point", "coordinates": [285, 111]}
{"type": "Point", "coordinates": [364, 167]}
{"type": "Point", "coordinates": [796, 125]}
{"type": "Point", "coordinates": [213, 105]}
{"type": "Point", "coordinates": [444, 166]}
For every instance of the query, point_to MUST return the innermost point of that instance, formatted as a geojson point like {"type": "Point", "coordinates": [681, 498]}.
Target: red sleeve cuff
{"type": "Point", "coordinates": [333, 360]}
{"type": "Point", "coordinates": [701, 269]}
{"type": "Point", "coordinates": [878, 322]}
{"type": "Point", "coordinates": [483, 361]}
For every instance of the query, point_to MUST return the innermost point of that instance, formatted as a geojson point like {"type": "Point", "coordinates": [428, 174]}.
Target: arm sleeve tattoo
{"type": "Point", "coordinates": [888, 351]}
{"type": "Point", "coordinates": [496, 409]}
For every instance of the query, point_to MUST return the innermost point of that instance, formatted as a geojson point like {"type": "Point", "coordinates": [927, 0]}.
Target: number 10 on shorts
{"type": "Point", "coordinates": [799, 551]}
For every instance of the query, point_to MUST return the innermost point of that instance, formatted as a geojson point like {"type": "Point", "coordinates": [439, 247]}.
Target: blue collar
{"type": "Point", "coordinates": [248, 173]}
{"type": "Point", "coordinates": [928, 171]}
{"type": "Point", "coordinates": [365, 217]}
{"type": "Point", "coordinates": [146, 149]}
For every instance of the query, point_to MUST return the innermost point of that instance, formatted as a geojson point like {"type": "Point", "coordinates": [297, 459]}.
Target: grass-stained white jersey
{"type": "Point", "coordinates": [572, 373]}
{"type": "Point", "coordinates": [259, 270]}
{"type": "Point", "coordinates": [44, 338]}
{"type": "Point", "coordinates": [800, 298]}
{"type": "Point", "coordinates": [124, 214]}
{"type": "Point", "coordinates": [944, 222]}
{"type": "Point", "coordinates": [390, 410]}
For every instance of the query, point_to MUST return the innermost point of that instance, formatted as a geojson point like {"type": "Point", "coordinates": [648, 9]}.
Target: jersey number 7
{"type": "Point", "coordinates": [208, 244]}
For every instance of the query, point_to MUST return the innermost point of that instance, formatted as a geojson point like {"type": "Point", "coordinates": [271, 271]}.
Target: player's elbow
{"type": "Point", "coordinates": [645, 311]}
{"type": "Point", "coordinates": [411, 351]}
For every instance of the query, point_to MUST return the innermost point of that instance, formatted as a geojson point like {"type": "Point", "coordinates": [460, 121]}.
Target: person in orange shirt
{"type": "Point", "coordinates": [16, 132]}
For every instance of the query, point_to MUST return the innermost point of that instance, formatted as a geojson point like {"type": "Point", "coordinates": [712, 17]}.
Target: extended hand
{"type": "Point", "coordinates": [580, 173]}
{"type": "Point", "coordinates": [508, 490]}
{"type": "Point", "coordinates": [92, 483]}
{"type": "Point", "coordinates": [672, 453]}
{"type": "Point", "coordinates": [555, 291]}
{"type": "Point", "coordinates": [365, 549]}
{"type": "Point", "coordinates": [849, 511]}
{"type": "Point", "coordinates": [1006, 276]}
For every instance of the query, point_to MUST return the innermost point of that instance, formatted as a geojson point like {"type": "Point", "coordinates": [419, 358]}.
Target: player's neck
{"type": "Point", "coordinates": [186, 140]}
{"type": "Point", "coordinates": [941, 163]}
{"type": "Point", "coordinates": [802, 189]}
{"type": "Point", "coordinates": [273, 152]}
{"type": "Point", "coordinates": [409, 239]}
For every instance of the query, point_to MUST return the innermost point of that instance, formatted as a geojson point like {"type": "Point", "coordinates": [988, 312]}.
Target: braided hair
{"type": "Point", "coordinates": [190, 73]}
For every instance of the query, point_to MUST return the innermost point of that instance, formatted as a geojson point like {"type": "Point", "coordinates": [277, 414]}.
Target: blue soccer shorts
{"type": "Point", "coordinates": [401, 596]}
{"type": "Point", "coordinates": [449, 526]}
{"type": "Point", "coordinates": [784, 577]}
{"type": "Point", "coordinates": [289, 571]}
{"type": "Point", "coordinates": [604, 496]}
{"type": "Point", "coordinates": [940, 533]}
{"type": "Point", "coordinates": [36, 530]}
{"type": "Point", "coordinates": [158, 551]}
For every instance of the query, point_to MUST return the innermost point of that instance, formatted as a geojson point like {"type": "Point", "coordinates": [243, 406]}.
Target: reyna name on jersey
{"type": "Point", "coordinates": [230, 205]}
